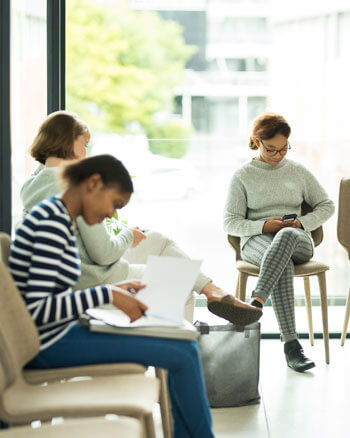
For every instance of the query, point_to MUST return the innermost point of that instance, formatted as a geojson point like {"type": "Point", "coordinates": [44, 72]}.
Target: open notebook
{"type": "Point", "coordinates": [169, 281]}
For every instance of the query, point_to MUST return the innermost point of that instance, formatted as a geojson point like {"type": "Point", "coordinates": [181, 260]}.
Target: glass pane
{"type": "Point", "coordinates": [172, 91]}
{"type": "Point", "coordinates": [28, 89]}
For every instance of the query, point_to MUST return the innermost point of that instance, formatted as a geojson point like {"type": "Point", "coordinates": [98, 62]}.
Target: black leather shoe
{"type": "Point", "coordinates": [296, 358]}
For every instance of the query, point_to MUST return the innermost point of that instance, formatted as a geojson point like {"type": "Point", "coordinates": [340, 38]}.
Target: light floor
{"type": "Point", "coordinates": [312, 404]}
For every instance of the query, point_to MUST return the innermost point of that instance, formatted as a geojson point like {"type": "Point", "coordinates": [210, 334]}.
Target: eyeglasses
{"type": "Point", "coordinates": [273, 152]}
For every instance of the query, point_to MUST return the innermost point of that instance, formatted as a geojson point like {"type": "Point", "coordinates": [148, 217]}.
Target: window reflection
{"type": "Point", "coordinates": [243, 57]}
{"type": "Point", "coordinates": [28, 89]}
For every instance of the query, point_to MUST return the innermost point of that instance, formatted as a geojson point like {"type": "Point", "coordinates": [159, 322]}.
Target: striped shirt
{"type": "Point", "coordinates": [45, 265]}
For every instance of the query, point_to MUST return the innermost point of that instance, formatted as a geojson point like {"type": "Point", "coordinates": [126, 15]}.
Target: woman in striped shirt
{"type": "Point", "coordinates": [45, 264]}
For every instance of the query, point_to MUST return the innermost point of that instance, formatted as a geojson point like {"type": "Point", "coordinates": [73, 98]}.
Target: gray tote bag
{"type": "Point", "coordinates": [230, 357]}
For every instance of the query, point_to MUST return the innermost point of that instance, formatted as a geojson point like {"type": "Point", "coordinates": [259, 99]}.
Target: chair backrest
{"type": "Point", "coordinates": [343, 225]}
{"type": "Point", "coordinates": [5, 244]}
{"type": "Point", "coordinates": [317, 235]}
{"type": "Point", "coordinates": [3, 379]}
{"type": "Point", "coordinates": [19, 338]}
{"type": "Point", "coordinates": [5, 382]}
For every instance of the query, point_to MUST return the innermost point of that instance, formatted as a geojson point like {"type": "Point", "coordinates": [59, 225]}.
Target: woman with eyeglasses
{"type": "Point", "coordinates": [261, 192]}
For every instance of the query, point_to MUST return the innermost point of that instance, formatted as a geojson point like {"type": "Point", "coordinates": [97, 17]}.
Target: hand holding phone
{"type": "Point", "coordinates": [275, 224]}
{"type": "Point", "coordinates": [289, 217]}
{"type": "Point", "coordinates": [292, 217]}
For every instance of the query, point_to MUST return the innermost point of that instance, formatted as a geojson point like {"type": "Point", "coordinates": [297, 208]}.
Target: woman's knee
{"type": "Point", "coordinates": [295, 235]}
{"type": "Point", "coordinates": [289, 233]}
{"type": "Point", "coordinates": [182, 355]}
{"type": "Point", "coordinates": [156, 237]}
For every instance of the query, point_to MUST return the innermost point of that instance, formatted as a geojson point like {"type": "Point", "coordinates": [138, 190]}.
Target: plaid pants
{"type": "Point", "coordinates": [276, 255]}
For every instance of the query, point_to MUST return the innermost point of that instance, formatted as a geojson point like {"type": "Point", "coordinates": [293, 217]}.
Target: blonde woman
{"type": "Point", "coordinates": [105, 258]}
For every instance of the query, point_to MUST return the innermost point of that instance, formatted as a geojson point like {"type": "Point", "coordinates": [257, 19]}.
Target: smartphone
{"type": "Point", "coordinates": [290, 217]}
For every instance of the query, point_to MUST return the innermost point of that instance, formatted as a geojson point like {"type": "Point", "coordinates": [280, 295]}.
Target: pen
{"type": "Point", "coordinates": [132, 291]}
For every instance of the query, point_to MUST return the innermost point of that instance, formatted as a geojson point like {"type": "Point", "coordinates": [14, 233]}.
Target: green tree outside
{"type": "Point", "coordinates": [123, 65]}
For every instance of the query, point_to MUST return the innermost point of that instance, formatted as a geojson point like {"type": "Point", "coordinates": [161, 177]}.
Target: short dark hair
{"type": "Point", "coordinates": [112, 172]}
{"type": "Point", "coordinates": [267, 126]}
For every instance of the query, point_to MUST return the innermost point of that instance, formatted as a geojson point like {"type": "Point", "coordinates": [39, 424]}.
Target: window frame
{"type": "Point", "coordinates": [5, 131]}
{"type": "Point", "coordinates": [56, 54]}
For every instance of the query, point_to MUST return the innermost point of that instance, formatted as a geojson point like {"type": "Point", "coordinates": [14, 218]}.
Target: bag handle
{"type": "Point", "coordinates": [202, 327]}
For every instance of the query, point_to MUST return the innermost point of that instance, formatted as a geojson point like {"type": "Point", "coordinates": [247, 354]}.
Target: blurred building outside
{"type": "Point", "coordinates": [253, 55]}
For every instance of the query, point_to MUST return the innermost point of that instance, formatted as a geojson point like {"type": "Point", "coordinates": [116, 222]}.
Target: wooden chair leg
{"type": "Point", "coordinates": [149, 427]}
{"type": "Point", "coordinates": [324, 308]}
{"type": "Point", "coordinates": [165, 406]}
{"type": "Point", "coordinates": [346, 320]}
{"type": "Point", "coordinates": [309, 308]}
{"type": "Point", "coordinates": [237, 287]}
{"type": "Point", "coordinates": [243, 277]}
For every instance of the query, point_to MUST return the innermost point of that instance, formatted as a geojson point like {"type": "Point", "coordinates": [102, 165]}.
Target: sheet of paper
{"type": "Point", "coordinates": [169, 282]}
{"type": "Point", "coordinates": [115, 317]}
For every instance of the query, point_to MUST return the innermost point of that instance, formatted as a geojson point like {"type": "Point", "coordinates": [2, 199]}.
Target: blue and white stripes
{"type": "Point", "coordinates": [45, 264]}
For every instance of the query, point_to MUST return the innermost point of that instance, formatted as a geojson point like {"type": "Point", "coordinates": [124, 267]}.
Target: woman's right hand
{"type": "Point", "coordinates": [138, 236]}
{"type": "Point", "coordinates": [275, 224]}
{"type": "Point", "coordinates": [128, 304]}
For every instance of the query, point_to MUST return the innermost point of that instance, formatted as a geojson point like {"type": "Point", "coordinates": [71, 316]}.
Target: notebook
{"type": "Point", "coordinates": [169, 281]}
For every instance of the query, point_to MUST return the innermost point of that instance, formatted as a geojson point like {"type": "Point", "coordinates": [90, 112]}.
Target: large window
{"type": "Point", "coordinates": [145, 77]}
{"type": "Point", "coordinates": [172, 91]}
{"type": "Point", "coordinates": [28, 88]}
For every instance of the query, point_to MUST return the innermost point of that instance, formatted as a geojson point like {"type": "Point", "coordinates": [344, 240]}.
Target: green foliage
{"type": "Point", "coordinates": [168, 131]}
{"type": "Point", "coordinates": [122, 65]}
{"type": "Point", "coordinates": [113, 225]}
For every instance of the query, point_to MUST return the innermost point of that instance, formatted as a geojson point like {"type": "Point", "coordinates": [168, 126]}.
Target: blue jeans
{"type": "Point", "coordinates": [189, 401]}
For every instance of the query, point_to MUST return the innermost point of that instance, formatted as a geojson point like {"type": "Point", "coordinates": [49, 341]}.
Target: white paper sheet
{"type": "Point", "coordinates": [169, 282]}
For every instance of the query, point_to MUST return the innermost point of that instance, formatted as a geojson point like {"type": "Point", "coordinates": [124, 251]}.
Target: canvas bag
{"type": "Point", "coordinates": [230, 357]}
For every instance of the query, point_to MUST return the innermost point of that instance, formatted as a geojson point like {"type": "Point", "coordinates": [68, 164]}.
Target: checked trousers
{"type": "Point", "coordinates": [276, 255]}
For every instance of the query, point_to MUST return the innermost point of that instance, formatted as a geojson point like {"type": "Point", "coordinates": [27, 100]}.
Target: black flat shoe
{"type": "Point", "coordinates": [296, 358]}
{"type": "Point", "coordinates": [231, 310]}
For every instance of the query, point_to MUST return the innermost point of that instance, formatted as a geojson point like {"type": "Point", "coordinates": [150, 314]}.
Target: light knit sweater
{"type": "Point", "coordinates": [259, 191]}
{"type": "Point", "coordinates": [100, 253]}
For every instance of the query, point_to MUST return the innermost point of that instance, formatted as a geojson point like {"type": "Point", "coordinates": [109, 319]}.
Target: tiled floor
{"type": "Point", "coordinates": [312, 404]}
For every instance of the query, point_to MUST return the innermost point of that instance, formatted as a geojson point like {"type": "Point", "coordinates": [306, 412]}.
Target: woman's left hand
{"type": "Point", "coordinates": [296, 224]}
{"type": "Point", "coordinates": [132, 285]}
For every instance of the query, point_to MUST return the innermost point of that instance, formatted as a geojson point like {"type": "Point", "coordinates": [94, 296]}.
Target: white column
{"type": "Point", "coordinates": [187, 108]}
{"type": "Point", "coordinates": [242, 117]}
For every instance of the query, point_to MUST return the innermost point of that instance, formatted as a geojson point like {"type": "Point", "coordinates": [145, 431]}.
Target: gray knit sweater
{"type": "Point", "coordinates": [100, 253]}
{"type": "Point", "coordinates": [259, 191]}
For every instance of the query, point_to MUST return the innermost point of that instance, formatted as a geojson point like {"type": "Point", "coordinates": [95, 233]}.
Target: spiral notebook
{"type": "Point", "coordinates": [169, 281]}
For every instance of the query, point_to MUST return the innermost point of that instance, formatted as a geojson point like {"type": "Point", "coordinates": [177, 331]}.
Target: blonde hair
{"type": "Point", "coordinates": [267, 126]}
{"type": "Point", "coordinates": [56, 136]}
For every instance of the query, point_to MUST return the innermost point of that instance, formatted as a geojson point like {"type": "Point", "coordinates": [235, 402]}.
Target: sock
{"type": "Point", "coordinates": [256, 303]}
